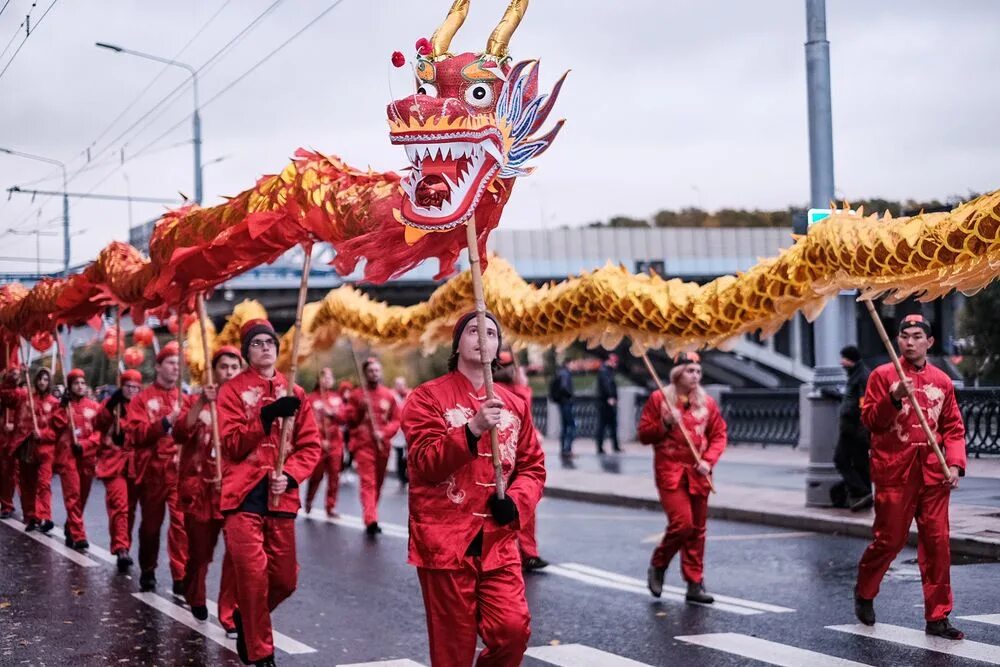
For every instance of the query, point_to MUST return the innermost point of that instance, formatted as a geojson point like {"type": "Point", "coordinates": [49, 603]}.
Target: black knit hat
{"type": "Point", "coordinates": [915, 320]}
{"type": "Point", "coordinates": [255, 328]}
{"type": "Point", "coordinates": [459, 329]}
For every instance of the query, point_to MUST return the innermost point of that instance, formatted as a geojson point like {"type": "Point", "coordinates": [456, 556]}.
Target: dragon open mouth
{"type": "Point", "coordinates": [450, 172]}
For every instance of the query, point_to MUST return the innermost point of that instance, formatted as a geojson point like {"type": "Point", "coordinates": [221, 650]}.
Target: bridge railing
{"type": "Point", "coordinates": [980, 409]}
{"type": "Point", "coordinates": [762, 416]}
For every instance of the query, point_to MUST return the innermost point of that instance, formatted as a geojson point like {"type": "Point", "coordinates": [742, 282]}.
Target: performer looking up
{"type": "Point", "coordinates": [260, 536]}
{"type": "Point", "coordinates": [463, 538]}
{"type": "Point", "coordinates": [908, 478]}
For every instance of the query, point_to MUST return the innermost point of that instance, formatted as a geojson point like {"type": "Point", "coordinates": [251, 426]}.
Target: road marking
{"type": "Point", "coordinates": [992, 619]}
{"type": "Point", "coordinates": [52, 543]}
{"type": "Point", "coordinates": [656, 538]}
{"type": "Point", "coordinates": [283, 642]}
{"type": "Point", "coordinates": [385, 663]}
{"type": "Point", "coordinates": [183, 616]}
{"type": "Point", "coordinates": [763, 650]}
{"type": "Point", "coordinates": [388, 529]}
{"type": "Point", "coordinates": [917, 639]}
{"type": "Point", "coordinates": [96, 551]}
{"type": "Point", "coordinates": [757, 607]}
{"type": "Point", "coordinates": [578, 655]}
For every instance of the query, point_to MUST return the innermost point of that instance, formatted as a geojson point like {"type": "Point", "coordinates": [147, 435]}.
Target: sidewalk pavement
{"type": "Point", "coordinates": [767, 486]}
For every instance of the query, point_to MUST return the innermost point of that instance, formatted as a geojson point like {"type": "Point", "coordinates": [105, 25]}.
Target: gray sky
{"type": "Point", "coordinates": [669, 104]}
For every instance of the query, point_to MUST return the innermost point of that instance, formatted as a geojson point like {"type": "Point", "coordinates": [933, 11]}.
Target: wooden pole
{"type": "Point", "coordinates": [119, 346]}
{"type": "Point", "coordinates": [69, 408]}
{"type": "Point", "coordinates": [180, 362]}
{"type": "Point", "coordinates": [931, 438]}
{"type": "Point", "coordinates": [677, 417]}
{"type": "Point", "coordinates": [31, 391]}
{"type": "Point", "coordinates": [475, 269]}
{"type": "Point", "coordinates": [210, 380]}
{"type": "Point", "coordinates": [288, 425]}
{"type": "Point", "coordinates": [368, 397]}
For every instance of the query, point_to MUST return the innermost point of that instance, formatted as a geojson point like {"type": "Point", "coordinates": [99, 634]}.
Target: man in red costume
{"type": "Point", "coordinates": [260, 535]}
{"type": "Point", "coordinates": [330, 412]}
{"type": "Point", "coordinates": [683, 482]}
{"type": "Point", "coordinates": [36, 450]}
{"type": "Point", "coordinates": [76, 453]}
{"type": "Point", "coordinates": [199, 492]}
{"type": "Point", "coordinates": [908, 478]}
{"type": "Point", "coordinates": [463, 537]}
{"type": "Point", "coordinates": [370, 438]}
{"type": "Point", "coordinates": [11, 396]}
{"type": "Point", "coordinates": [149, 427]}
{"type": "Point", "coordinates": [113, 465]}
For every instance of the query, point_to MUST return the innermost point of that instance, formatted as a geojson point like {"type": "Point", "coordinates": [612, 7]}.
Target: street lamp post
{"type": "Point", "coordinates": [65, 198]}
{"type": "Point", "coordinates": [196, 117]}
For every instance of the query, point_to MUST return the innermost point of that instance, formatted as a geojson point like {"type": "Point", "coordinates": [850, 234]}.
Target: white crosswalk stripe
{"type": "Point", "coordinates": [384, 663]}
{"type": "Point", "coordinates": [54, 543]}
{"type": "Point", "coordinates": [578, 655]}
{"type": "Point", "coordinates": [991, 619]}
{"type": "Point", "coordinates": [183, 616]}
{"type": "Point", "coordinates": [917, 639]}
{"type": "Point", "coordinates": [763, 650]}
{"type": "Point", "coordinates": [348, 521]}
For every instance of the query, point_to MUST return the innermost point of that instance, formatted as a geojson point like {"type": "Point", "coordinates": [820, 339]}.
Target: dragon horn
{"type": "Point", "coordinates": [441, 39]}
{"type": "Point", "coordinates": [496, 45]}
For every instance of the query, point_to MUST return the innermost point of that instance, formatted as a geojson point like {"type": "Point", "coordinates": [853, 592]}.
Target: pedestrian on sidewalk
{"type": "Point", "coordinates": [463, 537]}
{"type": "Point", "coordinates": [607, 403]}
{"type": "Point", "coordinates": [260, 537]}
{"type": "Point", "coordinates": [561, 393]}
{"type": "Point", "coordinates": [682, 482]}
{"type": "Point", "coordinates": [909, 481]}
{"type": "Point", "coordinates": [851, 454]}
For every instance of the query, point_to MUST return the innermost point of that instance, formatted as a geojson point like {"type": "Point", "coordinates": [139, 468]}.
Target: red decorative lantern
{"type": "Point", "coordinates": [110, 346]}
{"type": "Point", "coordinates": [172, 325]}
{"type": "Point", "coordinates": [42, 341]}
{"type": "Point", "coordinates": [134, 356]}
{"type": "Point", "coordinates": [143, 336]}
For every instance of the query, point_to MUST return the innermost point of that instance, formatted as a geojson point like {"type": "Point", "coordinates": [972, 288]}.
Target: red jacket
{"type": "Point", "coordinates": [198, 493]}
{"type": "Point", "coordinates": [672, 458]}
{"type": "Point", "coordinates": [145, 435]}
{"type": "Point", "coordinates": [248, 453]}
{"type": "Point", "coordinates": [85, 412]}
{"type": "Point", "coordinates": [112, 459]}
{"type": "Point", "coordinates": [10, 403]}
{"type": "Point", "coordinates": [45, 406]}
{"type": "Point", "coordinates": [386, 418]}
{"type": "Point", "coordinates": [330, 433]}
{"type": "Point", "coordinates": [449, 486]}
{"type": "Point", "coordinates": [897, 439]}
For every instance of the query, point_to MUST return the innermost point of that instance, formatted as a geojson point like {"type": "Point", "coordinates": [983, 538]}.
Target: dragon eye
{"type": "Point", "coordinates": [479, 94]}
{"type": "Point", "coordinates": [428, 89]}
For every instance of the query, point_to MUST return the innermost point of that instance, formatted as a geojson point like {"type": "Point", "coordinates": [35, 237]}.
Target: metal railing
{"type": "Point", "coordinates": [762, 416]}
{"type": "Point", "coordinates": [981, 413]}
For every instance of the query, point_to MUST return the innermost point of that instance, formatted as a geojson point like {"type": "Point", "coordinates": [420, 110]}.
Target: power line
{"type": "Point", "coordinates": [4, 7]}
{"type": "Point", "coordinates": [27, 35]}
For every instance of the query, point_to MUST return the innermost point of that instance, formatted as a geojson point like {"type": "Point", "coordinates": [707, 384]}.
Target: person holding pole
{"type": "Point", "coordinates": [258, 502]}
{"type": "Point", "coordinates": [688, 435]}
{"type": "Point", "coordinates": [917, 457]}
{"type": "Point", "coordinates": [199, 491]}
{"type": "Point", "coordinates": [36, 453]}
{"type": "Point", "coordinates": [463, 529]}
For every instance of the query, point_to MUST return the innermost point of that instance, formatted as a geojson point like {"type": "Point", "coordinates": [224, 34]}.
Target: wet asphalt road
{"type": "Point", "coordinates": [358, 601]}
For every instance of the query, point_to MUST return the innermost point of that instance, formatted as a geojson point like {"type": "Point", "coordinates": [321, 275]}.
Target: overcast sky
{"type": "Point", "coordinates": [669, 104]}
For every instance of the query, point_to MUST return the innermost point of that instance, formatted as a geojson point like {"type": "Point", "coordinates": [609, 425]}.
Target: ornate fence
{"type": "Point", "coordinates": [762, 416]}
{"type": "Point", "coordinates": [981, 413]}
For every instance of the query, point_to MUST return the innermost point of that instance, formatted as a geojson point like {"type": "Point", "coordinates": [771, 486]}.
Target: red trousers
{"type": "Point", "coordinates": [464, 603]}
{"type": "Point", "coordinates": [67, 466]}
{"type": "Point", "coordinates": [262, 549]}
{"type": "Point", "coordinates": [36, 484]}
{"type": "Point", "coordinates": [121, 515]}
{"type": "Point", "coordinates": [155, 495]}
{"type": "Point", "coordinates": [371, 473]}
{"type": "Point", "coordinates": [526, 539]}
{"type": "Point", "coordinates": [202, 538]}
{"type": "Point", "coordinates": [330, 466]}
{"type": "Point", "coordinates": [8, 480]}
{"type": "Point", "coordinates": [687, 514]}
{"type": "Point", "coordinates": [895, 509]}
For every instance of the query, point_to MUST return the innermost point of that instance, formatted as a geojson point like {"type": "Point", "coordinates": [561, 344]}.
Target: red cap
{"type": "Point", "coordinates": [131, 375]}
{"type": "Point", "coordinates": [224, 350]}
{"type": "Point", "coordinates": [687, 358]}
{"type": "Point", "coordinates": [168, 350]}
{"type": "Point", "coordinates": [75, 373]}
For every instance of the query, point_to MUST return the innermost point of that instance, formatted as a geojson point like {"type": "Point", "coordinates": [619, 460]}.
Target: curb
{"type": "Point", "coordinates": [960, 544]}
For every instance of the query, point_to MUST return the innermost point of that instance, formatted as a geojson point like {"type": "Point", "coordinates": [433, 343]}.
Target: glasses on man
{"type": "Point", "coordinates": [263, 344]}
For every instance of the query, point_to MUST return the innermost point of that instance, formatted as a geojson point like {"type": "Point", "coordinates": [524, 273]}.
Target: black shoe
{"type": "Point", "coordinates": [863, 504]}
{"type": "Point", "coordinates": [943, 628]}
{"type": "Point", "coordinates": [68, 541]}
{"type": "Point", "coordinates": [200, 612]}
{"type": "Point", "coordinates": [178, 588]}
{"type": "Point", "coordinates": [46, 526]}
{"type": "Point", "coordinates": [6, 514]}
{"type": "Point", "coordinates": [241, 639]}
{"type": "Point", "coordinates": [697, 593]}
{"type": "Point", "coordinates": [147, 582]}
{"type": "Point", "coordinates": [618, 450]}
{"type": "Point", "coordinates": [373, 529]}
{"type": "Point", "coordinates": [124, 561]}
{"type": "Point", "coordinates": [535, 563]}
{"type": "Point", "coordinates": [81, 545]}
{"type": "Point", "coordinates": [230, 632]}
{"type": "Point", "coordinates": [31, 525]}
{"type": "Point", "coordinates": [654, 580]}
{"type": "Point", "coordinates": [266, 662]}
{"type": "Point", "coordinates": [600, 450]}
{"type": "Point", "coordinates": [865, 610]}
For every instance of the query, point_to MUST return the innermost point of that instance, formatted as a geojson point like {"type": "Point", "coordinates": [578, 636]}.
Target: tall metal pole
{"type": "Point", "coordinates": [819, 418]}
{"type": "Point", "coordinates": [65, 198]}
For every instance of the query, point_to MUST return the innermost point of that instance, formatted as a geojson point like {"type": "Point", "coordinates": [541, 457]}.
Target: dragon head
{"type": "Point", "coordinates": [469, 129]}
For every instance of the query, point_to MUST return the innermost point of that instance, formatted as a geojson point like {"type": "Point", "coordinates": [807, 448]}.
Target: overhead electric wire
{"type": "Point", "coordinates": [26, 36]}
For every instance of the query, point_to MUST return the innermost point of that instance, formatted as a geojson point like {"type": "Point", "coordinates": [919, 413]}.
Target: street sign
{"type": "Point", "coordinates": [814, 215]}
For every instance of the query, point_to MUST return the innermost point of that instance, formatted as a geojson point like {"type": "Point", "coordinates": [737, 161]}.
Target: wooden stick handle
{"type": "Point", "coordinates": [677, 417]}
{"type": "Point", "coordinates": [31, 391]}
{"type": "Point", "coordinates": [210, 380]}
{"type": "Point", "coordinates": [69, 407]}
{"type": "Point", "coordinates": [288, 425]}
{"type": "Point", "coordinates": [119, 344]}
{"type": "Point", "coordinates": [931, 437]}
{"type": "Point", "coordinates": [475, 269]}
